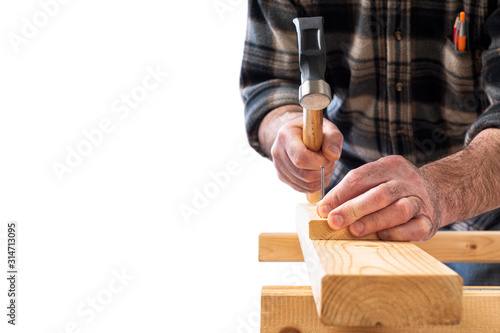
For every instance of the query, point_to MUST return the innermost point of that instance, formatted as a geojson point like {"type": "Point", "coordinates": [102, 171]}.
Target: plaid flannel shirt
{"type": "Point", "coordinates": [399, 85]}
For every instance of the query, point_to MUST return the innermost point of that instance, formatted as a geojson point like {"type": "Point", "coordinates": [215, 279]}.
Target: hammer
{"type": "Point", "coordinates": [314, 92]}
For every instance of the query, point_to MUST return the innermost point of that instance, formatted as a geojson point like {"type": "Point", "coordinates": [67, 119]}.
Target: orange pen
{"type": "Point", "coordinates": [461, 34]}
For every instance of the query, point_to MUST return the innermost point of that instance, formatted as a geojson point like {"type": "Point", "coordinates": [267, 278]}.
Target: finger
{"type": "Point", "coordinates": [302, 157]}
{"type": "Point", "coordinates": [287, 172]}
{"type": "Point", "coordinates": [332, 141]}
{"type": "Point", "coordinates": [371, 201]}
{"type": "Point", "coordinates": [417, 229]}
{"type": "Point", "coordinates": [309, 176]}
{"type": "Point", "coordinates": [358, 181]}
{"type": "Point", "coordinates": [355, 183]}
{"type": "Point", "coordinates": [297, 184]}
{"type": "Point", "coordinates": [398, 213]}
{"type": "Point", "coordinates": [300, 179]}
{"type": "Point", "coordinates": [306, 180]}
{"type": "Point", "coordinates": [306, 175]}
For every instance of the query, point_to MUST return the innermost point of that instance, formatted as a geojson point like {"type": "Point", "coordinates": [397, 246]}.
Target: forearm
{"type": "Point", "coordinates": [272, 122]}
{"type": "Point", "coordinates": [466, 183]}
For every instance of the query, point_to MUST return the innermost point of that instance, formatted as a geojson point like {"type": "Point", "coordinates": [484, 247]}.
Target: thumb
{"type": "Point", "coordinates": [332, 141]}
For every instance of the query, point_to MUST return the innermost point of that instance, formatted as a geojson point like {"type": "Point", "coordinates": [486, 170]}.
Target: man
{"type": "Point", "coordinates": [411, 138]}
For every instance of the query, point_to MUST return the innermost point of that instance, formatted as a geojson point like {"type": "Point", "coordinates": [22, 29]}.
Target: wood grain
{"type": "Point", "coordinates": [319, 228]}
{"type": "Point", "coordinates": [312, 133]}
{"type": "Point", "coordinates": [312, 136]}
{"type": "Point", "coordinates": [283, 246]}
{"type": "Point", "coordinates": [292, 310]}
{"type": "Point", "coordinates": [445, 246]}
{"type": "Point", "coordinates": [376, 283]}
{"type": "Point", "coordinates": [464, 246]}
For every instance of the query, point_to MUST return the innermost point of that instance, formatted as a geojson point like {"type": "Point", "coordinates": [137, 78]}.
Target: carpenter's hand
{"type": "Point", "coordinates": [300, 167]}
{"type": "Point", "coordinates": [389, 196]}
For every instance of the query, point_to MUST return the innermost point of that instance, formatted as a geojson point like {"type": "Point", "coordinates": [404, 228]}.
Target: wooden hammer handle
{"type": "Point", "coordinates": [312, 135]}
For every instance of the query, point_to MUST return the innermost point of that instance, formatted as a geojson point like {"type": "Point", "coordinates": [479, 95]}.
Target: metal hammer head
{"type": "Point", "coordinates": [314, 93]}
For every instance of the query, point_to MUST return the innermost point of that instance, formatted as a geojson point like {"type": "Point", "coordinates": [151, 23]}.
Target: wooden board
{"type": "Point", "coordinates": [292, 310]}
{"type": "Point", "coordinates": [464, 246]}
{"type": "Point", "coordinates": [280, 247]}
{"type": "Point", "coordinates": [445, 246]}
{"type": "Point", "coordinates": [319, 228]}
{"type": "Point", "coordinates": [377, 283]}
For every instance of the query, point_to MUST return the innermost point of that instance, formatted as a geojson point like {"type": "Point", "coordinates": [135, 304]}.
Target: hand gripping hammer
{"type": "Point", "coordinates": [314, 92]}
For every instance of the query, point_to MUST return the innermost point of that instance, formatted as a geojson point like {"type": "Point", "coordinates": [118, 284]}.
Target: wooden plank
{"type": "Point", "coordinates": [464, 246]}
{"type": "Point", "coordinates": [377, 283]}
{"type": "Point", "coordinates": [280, 247]}
{"type": "Point", "coordinates": [292, 310]}
{"type": "Point", "coordinates": [319, 228]}
{"type": "Point", "coordinates": [445, 246]}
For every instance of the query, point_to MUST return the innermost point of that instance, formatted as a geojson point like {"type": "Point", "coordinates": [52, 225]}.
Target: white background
{"type": "Point", "coordinates": [119, 209]}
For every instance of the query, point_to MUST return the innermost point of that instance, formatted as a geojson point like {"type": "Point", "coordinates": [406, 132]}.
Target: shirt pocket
{"type": "Point", "coordinates": [460, 88]}
{"type": "Point", "coordinates": [459, 70]}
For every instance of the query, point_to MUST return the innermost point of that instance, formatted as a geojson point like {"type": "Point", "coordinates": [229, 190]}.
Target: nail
{"type": "Point", "coordinates": [325, 210]}
{"type": "Point", "coordinates": [336, 222]}
{"type": "Point", "coordinates": [357, 228]}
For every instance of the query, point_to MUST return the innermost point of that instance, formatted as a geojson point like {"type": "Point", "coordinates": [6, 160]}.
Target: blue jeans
{"type": "Point", "coordinates": [478, 274]}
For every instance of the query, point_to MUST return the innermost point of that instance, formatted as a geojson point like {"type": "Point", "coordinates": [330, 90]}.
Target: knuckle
{"type": "Point", "coordinates": [336, 200]}
{"type": "Point", "coordinates": [393, 161]}
{"type": "Point", "coordinates": [308, 177]}
{"type": "Point", "coordinates": [288, 125]}
{"type": "Point", "coordinates": [405, 208]}
{"type": "Point", "coordinates": [350, 210]}
{"type": "Point", "coordinates": [299, 161]}
{"type": "Point", "coordinates": [383, 197]}
{"type": "Point", "coordinates": [353, 178]}
{"type": "Point", "coordinates": [274, 151]}
{"type": "Point", "coordinates": [422, 230]}
{"type": "Point", "coordinates": [379, 222]}
{"type": "Point", "coordinates": [417, 181]}
{"type": "Point", "coordinates": [426, 229]}
{"type": "Point", "coordinates": [333, 198]}
{"type": "Point", "coordinates": [281, 137]}
{"type": "Point", "coordinates": [373, 223]}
